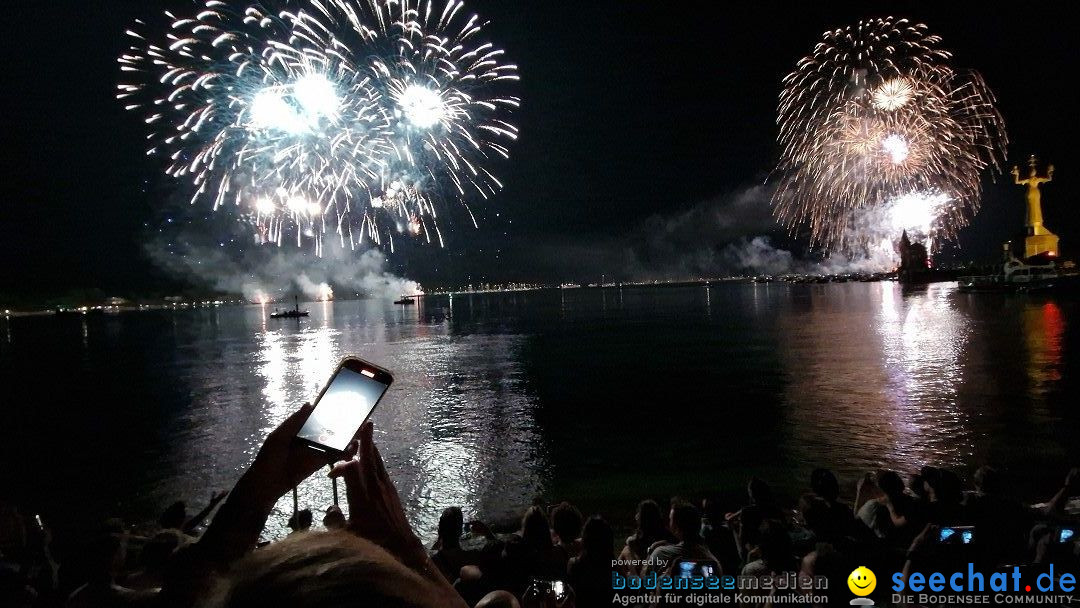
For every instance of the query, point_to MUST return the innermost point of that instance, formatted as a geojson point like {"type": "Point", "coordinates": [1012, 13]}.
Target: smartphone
{"type": "Point", "coordinates": [957, 535]}
{"type": "Point", "coordinates": [344, 404]}
{"type": "Point", "coordinates": [689, 568]}
{"type": "Point", "coordinates": [559, 589]}
{"type": "Point", "coordinates": [1065, 535]}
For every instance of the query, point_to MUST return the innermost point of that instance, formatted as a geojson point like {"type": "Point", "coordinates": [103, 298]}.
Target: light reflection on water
{"type": "Point", "coordinates": [901, 379]}
{"type": "Point", "coordinates": [922, 339]}
{"type": "Point", "coordinates": [1044, 328]}
{"type": "Point", "coordinates": [585, 394]}
{"type": "Point", "coordinates": [454, 428]}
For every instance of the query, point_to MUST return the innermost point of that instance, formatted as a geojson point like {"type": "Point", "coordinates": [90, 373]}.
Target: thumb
{"type": "Point", "coordinates": [353, 448]}
{"type": "Point", "coordinates": [292, 425]}
{"type": "Point", "coordinates": [344, 468]}
{"type": "Point", "coordinates": [365, 437]}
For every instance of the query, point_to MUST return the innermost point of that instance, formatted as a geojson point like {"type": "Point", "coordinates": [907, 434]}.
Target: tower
{"type": "Point", "coordinates": [913, 256]}
{"type": "Point", "coordinates": [1039, 240]}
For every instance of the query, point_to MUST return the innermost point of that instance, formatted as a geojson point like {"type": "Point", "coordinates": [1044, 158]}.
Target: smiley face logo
{"type": "Point", "coordinates": [862, 581]}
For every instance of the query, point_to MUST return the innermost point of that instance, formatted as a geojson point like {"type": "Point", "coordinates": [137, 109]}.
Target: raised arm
{"type": "Point", "coordinates": [193, 523]}
{"type": "Point", "coordinates": [1056, 504]}
{"type": "Point", "coordinates": [376, 514]}
{"type": "Point", "coordinates": [281, 464]}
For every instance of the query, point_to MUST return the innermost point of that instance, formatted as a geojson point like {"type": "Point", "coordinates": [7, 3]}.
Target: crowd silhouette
{"type": "Point", "coordinates": [556, 557]}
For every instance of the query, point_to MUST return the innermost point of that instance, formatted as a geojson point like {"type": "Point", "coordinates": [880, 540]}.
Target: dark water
{"type": "Point", "coordinates": [600, 396]}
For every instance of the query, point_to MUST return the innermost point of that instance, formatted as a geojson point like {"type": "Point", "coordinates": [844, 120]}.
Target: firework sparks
{"type": "Point", "coordinates": [446, 121]}
{"type": "Point", "coordinates": [893, 94]}
{"type": "Point", "coordinates": [299, 113]}
{"type": "Point", "coordinates": [896, 147]}
{"type": "Point", "coordinates": [917, 212]}
{"type": "Point", "coordinates": [873, 115]}
{"type": "Point", "coordinates": [422, 107]}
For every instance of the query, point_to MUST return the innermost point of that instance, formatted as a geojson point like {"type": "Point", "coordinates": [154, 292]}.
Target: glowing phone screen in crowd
{"type": "Point", "coordinates": [952, 535]}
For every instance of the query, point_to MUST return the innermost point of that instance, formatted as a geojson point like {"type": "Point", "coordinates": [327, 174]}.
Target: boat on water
{"type": "Point", "coordinates": [295, 313]}
{"type": "Point", "coordinates": [406, 300]}
{"type": "Point", "coordinates": [1034, 275]}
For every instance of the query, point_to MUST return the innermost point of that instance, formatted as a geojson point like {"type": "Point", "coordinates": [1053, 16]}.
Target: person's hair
{"type": "Point", "coordinates": [597, 540]}
{"type": "Point", "coordinates": [823, 482]}
{"type": "Point", "coordinates": [947, 487]}
{"type": "Point", "coordinates": [927, 476]}
{"type": "Point", "coordinates": [650, 520]}
{"type": "Point", "coordinates": [566, 521]}
{"type": "Point", "coordinates": [833, 565]}
{"type": "Point", "coordinates": [334, 518]}
{"type": "Point", "coordinates": [301, 520]}
{"type": "Point", "coordinates": [775, 545]}
{"type": "Point", "coordinates": [829, 560]}
{"type": "Point", "coordinates": [157, 551]}
{"type": "Point", "coordinates": [890, 483]}
{"type": "Point", "coordinates": [174, 516]}
{"type": "Point", "coordinates": [759, 491]}
{"type": "Point", "coordinates": [711, 509]}
{"type": "Point", "coordinates": [323, 570]}
{"type": "Point", "coordinates": [687, 519]}
{"type": "Point", "coordinates": [104, 555]}
{"type": "Point", "coordinates": [450, 525]}
{"type": "Point", "coordinates": [988, 479]}
{"type": "Point", "coordinates": [14, 590]}
{"type": "Point", "coordinates": [816, 513]}
{"type": "Point", "coordinates": [917, 486]}
{"type": "Point", "coordinates": [498, 599]}
{"type": "Point", "coordinates": [535, 531]}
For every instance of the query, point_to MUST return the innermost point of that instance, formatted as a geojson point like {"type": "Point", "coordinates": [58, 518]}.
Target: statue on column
{"type": "Point", "coordinates": [1039, 240]}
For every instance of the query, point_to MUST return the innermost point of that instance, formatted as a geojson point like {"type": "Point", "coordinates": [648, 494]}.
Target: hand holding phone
{"type": "Point", "coordinates": [546, 593]}
{"type": "Point", "coordinates": [344, 405]}
{"type": "Point", "coordinates": [282, 463]}
{"type": "Point", "coordinates": [1065, 534]}
{"type": "Point", "coordinates": [558, 588]}
{"type": "Point", "coordinates": [687, 568]}
{"type": "Point", "coordinates": [956, 535]}
{"type": "Point", "coordinates": [375, 510]}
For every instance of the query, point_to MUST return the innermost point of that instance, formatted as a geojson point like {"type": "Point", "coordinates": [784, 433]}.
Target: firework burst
{"type": "Point", "coordinates": [893, 94]}
{"type": "Point", "coordinates": [876, 114]}
{"type": "Point", "coordinates": [300, 114]}
{"type": "Point", "coordinates": [447, 124]}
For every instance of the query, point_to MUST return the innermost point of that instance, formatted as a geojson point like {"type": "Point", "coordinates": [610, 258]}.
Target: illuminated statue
{"type": "Point", "coordinates": [1039, 239]}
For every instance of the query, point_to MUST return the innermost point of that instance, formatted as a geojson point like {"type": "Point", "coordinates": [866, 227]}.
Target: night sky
{"type": "Point", "coordinates": [633, 114]}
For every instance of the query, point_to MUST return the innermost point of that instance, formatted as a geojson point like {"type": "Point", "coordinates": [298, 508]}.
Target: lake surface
{"type": "Point", "coordinates": [600, 396]}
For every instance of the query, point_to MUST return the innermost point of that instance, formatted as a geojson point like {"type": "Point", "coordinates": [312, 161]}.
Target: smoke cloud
{"type": "Point", "coordinates": [268, 272]}
{"type": "Point", "coordinates": [729, 235]}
